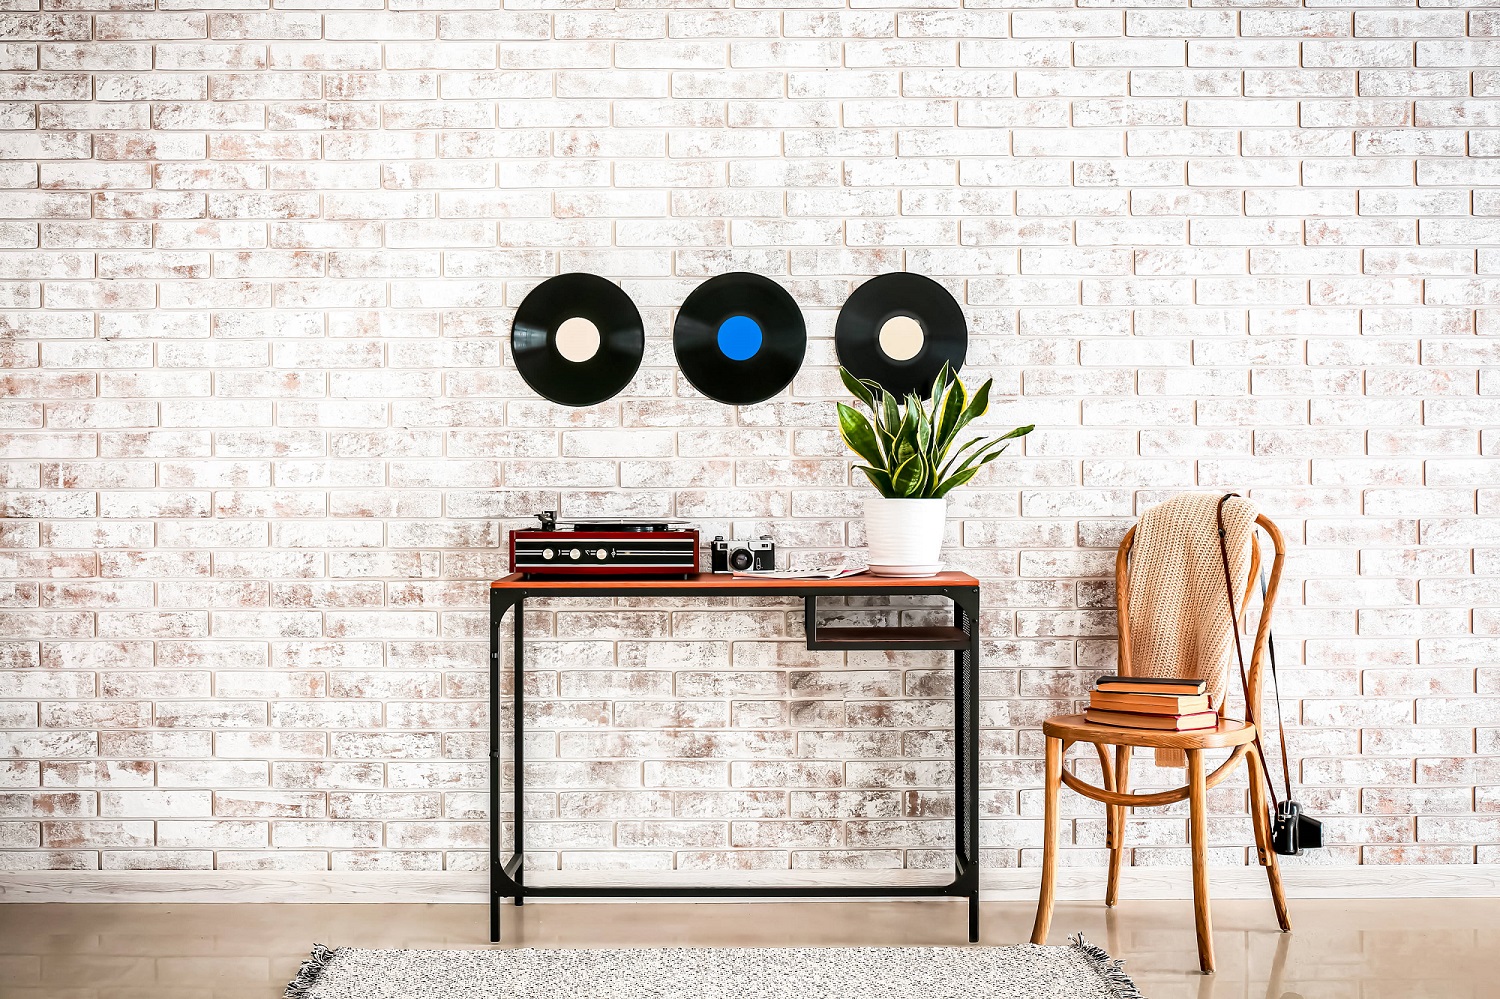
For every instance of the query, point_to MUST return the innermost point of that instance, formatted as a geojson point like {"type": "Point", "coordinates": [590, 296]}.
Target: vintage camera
{"type": "Point", "coordinates": [1292, 831]}
{"type": "Point", "coordinates": [758, 555]}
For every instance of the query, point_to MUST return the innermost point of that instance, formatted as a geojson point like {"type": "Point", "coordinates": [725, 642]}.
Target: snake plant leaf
{"type": "Point", "coordinates": [906, 436]}
{"type": "Point", "coordinates": [953, 461]}
{"type": "Point", "coordinates": [889, 423]}
{"type": "Point", "coordinates": [923, 424]}
{"type": "Point", "coordinates": [970, 407]}
{"type": "Point", "coordinates": [980, 404]}
{"type": "Point", "coordinates": [1018, 432]}
{"type": "Point", "coordinates": [926, 480]}
{"type": "Point", "coordinates": [953, 402]}
{"type": "Point", "coordinates": [945, 373]}
{"type": "Point", "coordinates": [858, 434]}
{"type": "Point", "coordinates": [952, 482]}
{"type": "Point", "coordinates": [903, 455]}
{"type": "Point", "coordinates": [935, 397]}
{"type": "Point", "coordinates": [907, 477]}
{"type": "Point", "coordinates": [964, 475]}
{"type": "Point", "coordinates": [858, 389]}
{"type": "Point", "coordinates": [880, 479]}
{"type": "Point", "coordinates": [987, 446]}
{"type": "Point", "coordinates": [977, 406]}
{"type": "Point", "coordinates": [981, 456]}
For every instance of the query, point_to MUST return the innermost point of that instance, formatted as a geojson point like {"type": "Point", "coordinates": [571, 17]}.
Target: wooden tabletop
{"type": "Point", "coordinates": [727, 585]}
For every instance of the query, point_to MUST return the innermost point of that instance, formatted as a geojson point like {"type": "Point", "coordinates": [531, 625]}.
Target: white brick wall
{"type": "Point", "coordinates": [261, 441]}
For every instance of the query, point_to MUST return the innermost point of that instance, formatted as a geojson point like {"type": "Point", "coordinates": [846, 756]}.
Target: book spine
{"type": "Point", "coordinates": [1151, 682]}
{"type": "Point", "coordinates": [1181, 690]}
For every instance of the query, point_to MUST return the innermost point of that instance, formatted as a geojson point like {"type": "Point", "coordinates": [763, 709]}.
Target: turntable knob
{"type": "Point", "coordinates": [548, 553]}
{"type": "Point", "coordinates": [575, 554]}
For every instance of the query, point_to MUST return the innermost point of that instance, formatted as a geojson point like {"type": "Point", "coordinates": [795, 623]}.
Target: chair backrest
{"type": "Point", "coordinates": [1262, 631]}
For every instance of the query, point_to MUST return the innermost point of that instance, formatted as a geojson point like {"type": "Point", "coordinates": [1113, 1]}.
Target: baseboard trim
{"type": "Point", "coordinates": [466, 887]}
{"type": "Point", "coordinates": [1079, 884]}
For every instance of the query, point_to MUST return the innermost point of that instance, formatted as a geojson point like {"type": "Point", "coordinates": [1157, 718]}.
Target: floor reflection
{"type": "Point", "coordinates": [1386, 949]}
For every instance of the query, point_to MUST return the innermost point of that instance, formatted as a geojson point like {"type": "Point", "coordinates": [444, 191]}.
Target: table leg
{"type": "Point", "coordinates": [966, 749]}
{"type": "Point", "coordinates": [518, 729]}
{"type": "Point", "coordinates": [497, 612]}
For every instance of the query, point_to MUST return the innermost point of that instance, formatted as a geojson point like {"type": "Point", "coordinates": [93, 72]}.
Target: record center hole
{"type": "Point", "coordinates": [577, 339]}
{"type": "Point", "coordinates": [740, 338]}
{"type": "Point", "coordinates": [901, 338]}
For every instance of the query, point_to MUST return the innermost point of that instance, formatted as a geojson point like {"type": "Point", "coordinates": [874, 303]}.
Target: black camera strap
{"type": "Point", "coordinates": [1234, 629]}
{"type": "Point", "coordinates": [1286, 768]}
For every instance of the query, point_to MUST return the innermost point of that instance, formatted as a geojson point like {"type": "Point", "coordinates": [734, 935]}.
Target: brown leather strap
{"type": "Point", "coordinates": [1234, 629]}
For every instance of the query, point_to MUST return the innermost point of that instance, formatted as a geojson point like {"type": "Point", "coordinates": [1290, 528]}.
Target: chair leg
{"type": "Point", "coordinates": [1049, 844]}
{"type": "Point", "coordinates": [1198, 833]}
{"type": "Point", "coordinates": [1116, 825]}
{"type": "Point", "coordinates": [1263, 849]}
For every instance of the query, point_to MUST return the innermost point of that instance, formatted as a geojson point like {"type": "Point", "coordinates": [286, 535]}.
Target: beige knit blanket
{"type": "Point", "coordinates": [1179, 611]}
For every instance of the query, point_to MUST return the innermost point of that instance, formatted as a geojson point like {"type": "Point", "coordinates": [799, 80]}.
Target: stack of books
{"type": "Point", "coordinates": [1151, 702]}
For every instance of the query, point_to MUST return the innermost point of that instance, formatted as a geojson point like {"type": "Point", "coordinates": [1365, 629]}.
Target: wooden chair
{"type": "Point", "coordinates": [1062, 731]}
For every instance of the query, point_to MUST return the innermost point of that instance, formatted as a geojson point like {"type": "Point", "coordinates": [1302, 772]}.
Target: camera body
{"type": "Point", "coordinates": [1292, 831]}
{"type": "Point", "coordinates": [758, 555]}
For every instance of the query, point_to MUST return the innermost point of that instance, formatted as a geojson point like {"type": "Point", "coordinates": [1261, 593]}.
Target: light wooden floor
{"type": "Point", "coordinates": [1410, 949]}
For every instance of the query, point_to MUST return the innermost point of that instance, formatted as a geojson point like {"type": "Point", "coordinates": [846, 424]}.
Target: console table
{"type": "Point", "coordinates": [509, 595]}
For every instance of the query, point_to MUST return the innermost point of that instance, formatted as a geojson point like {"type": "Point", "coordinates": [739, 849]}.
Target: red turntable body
{"type": "Point", "coordinates": [613, 548]}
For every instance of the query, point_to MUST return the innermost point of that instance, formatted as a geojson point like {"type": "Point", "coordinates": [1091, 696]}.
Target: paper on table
{"type": "Point", "coordinates": [834, 569]}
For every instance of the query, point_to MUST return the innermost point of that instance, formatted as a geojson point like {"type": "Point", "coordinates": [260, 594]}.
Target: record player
{"type": "Point", "coordinates": [607, 548]}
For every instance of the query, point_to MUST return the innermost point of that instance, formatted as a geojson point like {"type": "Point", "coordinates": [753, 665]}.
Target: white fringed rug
{"type": "Point", "coordinates": [1079, 971]}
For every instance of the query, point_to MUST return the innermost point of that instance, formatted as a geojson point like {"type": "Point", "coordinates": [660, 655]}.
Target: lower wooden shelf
{"type": "Point", "coordinates": [895, 637]}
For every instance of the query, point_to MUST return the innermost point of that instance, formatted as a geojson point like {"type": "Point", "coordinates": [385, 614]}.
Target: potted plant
{"type": "Point", "coordinates": [910, 459]}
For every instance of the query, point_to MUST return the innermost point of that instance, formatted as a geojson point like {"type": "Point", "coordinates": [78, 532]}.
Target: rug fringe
{"type": "Point", "coordinates": [307, 975]}
{"type": "Point", "coordinates": [1112, 971]}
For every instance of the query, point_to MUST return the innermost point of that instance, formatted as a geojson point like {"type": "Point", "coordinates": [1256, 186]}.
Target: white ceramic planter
{"type": "Point", "coordinates": [905, 535]}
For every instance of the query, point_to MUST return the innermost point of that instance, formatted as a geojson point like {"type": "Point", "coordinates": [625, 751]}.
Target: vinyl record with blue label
{"type": "Point", "coordinates": [577, 339]}
{"type": "Point", "coordinates": [739, 338]}
{"type": "Point", "coordinates": [898, 330]}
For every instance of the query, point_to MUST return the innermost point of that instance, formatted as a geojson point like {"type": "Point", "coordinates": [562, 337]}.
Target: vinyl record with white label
{"type": "Point", "coordinates": [577, 339]}
{"type": "Point", "coordinates": [898, 330]}
{"type": "Point", "coordinates": [739, 338]}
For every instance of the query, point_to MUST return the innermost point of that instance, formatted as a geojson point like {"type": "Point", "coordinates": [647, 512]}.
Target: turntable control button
{"type": "Point", "coordinates": [548, 553]}
{"type": "Point", "coordinates": [576, 554]}
{"type": "Point", "coordinates": [601, 554]}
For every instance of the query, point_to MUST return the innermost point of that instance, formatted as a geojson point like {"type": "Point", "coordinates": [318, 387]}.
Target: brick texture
{"type": "Point", "coordinates": [261, 441]}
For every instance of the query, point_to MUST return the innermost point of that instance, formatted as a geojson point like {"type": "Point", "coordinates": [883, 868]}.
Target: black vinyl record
{"type": "Point", "coordinates": [739, 338]}
{"type": "Point", "coordinates": [898, 330]}
{"type": "Point", "coordinates": [557, 324]}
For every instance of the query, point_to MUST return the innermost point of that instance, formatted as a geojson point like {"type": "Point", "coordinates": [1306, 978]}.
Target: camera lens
{"type": "Point", "coordinates": [741, 559]}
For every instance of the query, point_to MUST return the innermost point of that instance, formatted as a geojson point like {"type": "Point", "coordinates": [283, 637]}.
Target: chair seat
{"type": "Point", "coordinates": [1073, 728]}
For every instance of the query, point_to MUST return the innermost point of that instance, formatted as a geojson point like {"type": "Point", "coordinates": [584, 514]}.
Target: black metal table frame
{"type": "Point", "coordinates": [508, 876]}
